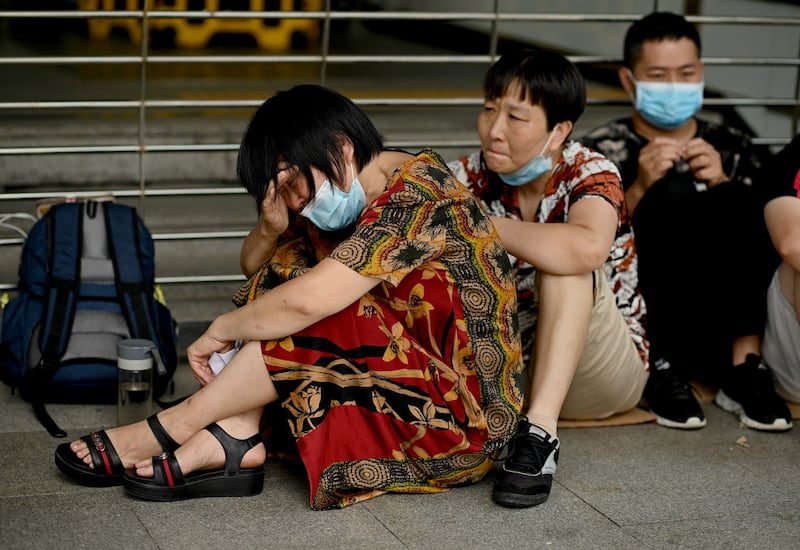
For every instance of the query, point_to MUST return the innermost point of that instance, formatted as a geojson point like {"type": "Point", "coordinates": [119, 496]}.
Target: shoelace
{"type": "Point", "coordinates": [670, 380]}
{"type": "Point", "coordinates": [529, 451]}
{"type": "Point", "coordinates": [759, 380]}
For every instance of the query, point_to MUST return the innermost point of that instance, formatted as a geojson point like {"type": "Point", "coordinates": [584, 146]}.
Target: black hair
{"type": "Point", "coordinates": [659, 25]}
{"type": "Point", "coordinates": [545, 78]}
{"type": "Point", "coordinates": [305, 127]}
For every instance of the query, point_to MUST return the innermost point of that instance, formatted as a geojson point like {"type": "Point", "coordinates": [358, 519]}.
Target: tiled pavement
{"type": "Point", "coordinates": [640, 486]}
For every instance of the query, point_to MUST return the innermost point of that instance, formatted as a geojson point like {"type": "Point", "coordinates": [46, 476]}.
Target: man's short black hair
{"type": "Point", "coordinates": [659, 25]}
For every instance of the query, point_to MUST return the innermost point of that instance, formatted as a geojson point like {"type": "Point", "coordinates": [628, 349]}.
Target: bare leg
{"type": "Point", "coordinates": [565, 308]}
{"type": "Point", "coordinates": [234, 398]}
{"type": "Point", "coordinates": [744, 345]}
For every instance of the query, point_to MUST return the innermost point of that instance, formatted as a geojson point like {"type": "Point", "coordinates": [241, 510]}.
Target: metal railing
{"type": "Point", "coordinates": [326, 61]}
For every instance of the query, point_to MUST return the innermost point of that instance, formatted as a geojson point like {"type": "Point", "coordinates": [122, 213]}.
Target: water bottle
{"type": "Point", "coordinates": [135, 387]}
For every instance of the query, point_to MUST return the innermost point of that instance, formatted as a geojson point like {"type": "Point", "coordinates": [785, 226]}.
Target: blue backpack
{"type": "Point", "coordinates": [86, 281]}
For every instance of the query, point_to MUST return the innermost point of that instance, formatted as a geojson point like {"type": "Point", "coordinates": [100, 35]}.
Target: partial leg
{"type": "Point", "coordinates": [202, 451]}
{"type": "Point", "coordinates": [236, 396]}
{"type": "Point", "coordinates": [565, 307]}
{"type": "Point", "coordinates": [611, 375]}
{"type": "Point", "coordinates": [749, 390]}
{"type": "Point", "coordinates": [745, 345]}
{"type": "Point", "coordinates": [781, 346]}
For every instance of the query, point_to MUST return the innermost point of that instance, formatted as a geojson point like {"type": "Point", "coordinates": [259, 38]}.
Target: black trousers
{"type": "Point", "coordinates": [705, 262]}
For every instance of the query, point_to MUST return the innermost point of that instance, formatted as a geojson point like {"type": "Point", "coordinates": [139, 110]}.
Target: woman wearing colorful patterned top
{"type": "Point", "coordinates": [382, 319]}
{"type": "Point", "coordinates": [560, 211]}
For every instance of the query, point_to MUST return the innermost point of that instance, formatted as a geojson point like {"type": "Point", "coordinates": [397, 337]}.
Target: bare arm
{"type": "Point", "coordinates": [783, 222]}
{"type": "Point", "coordinates": [290, 307]}
{"type": "Point", "coordinates": [258, 247]}
{"type": "Point", "coordinates": [579, 246]}
{"type": "Point", "coordinates": [261, 242]}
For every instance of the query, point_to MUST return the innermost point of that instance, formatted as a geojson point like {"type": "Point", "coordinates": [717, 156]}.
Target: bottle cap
{"type": "Point", "coordinates": [135, 349]}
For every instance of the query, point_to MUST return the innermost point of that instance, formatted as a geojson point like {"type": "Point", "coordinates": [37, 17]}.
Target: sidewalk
{"type": "Point", "coordinates": [635, 487]}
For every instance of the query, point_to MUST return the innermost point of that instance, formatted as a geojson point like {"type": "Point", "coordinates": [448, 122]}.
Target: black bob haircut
{"type": "Point", "coordinates": [547, 79]}
{"type": "Point", "coordinates": [659, 25]}
{"type": "Point", "coordinates": [305, 127]}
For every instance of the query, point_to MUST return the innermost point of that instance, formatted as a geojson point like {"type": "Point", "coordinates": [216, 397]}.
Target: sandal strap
{"type": "Point", "coordinates": [234, 448]}
{"type": "Point", "coordinates": [104, 456]}
{"type": "Point", "coordinates": [168, 444]}
{"type": "Point", "coordinates": [166, 471]}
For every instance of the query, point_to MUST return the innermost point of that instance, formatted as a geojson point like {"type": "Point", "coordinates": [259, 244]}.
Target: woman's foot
{"type": "Point", "coordinates": [213, 463]}
{"type": "Point", "coordinates": [204, 452]}
{"type": "Point", "coordinates": [135, 442]}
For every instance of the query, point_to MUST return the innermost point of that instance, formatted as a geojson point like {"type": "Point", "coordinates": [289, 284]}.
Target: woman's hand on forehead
{"type": "Point", "coordinates": [286, 175]}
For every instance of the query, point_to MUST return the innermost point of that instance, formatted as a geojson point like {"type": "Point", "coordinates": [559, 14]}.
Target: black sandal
{"type": "Point", "coordinates": [168, 482]}
{"type": "Point", "coordinates": [108, 467]}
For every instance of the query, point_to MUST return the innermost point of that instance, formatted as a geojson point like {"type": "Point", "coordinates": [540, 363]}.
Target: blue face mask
{"type": "Point", "coordinates": [332, 208]}
{"type": "Point", "coordinates": [537, 166]}
{"type": "Point", "coordinates": [668, 105]}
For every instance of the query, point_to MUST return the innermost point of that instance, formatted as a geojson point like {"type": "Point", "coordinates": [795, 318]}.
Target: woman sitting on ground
{"type": "Point", "coordinates": [380, 313]}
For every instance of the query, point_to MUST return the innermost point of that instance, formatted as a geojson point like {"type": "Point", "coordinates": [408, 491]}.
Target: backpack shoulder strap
{"type": "Point", "coordinates": [65, 237]}
{"type": "Point", "coordinates": [64, 241]}
{"type": "Point", "coordinates": [134, 289]}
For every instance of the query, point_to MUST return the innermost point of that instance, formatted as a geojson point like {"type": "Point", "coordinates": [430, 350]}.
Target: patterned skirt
{"type": "Point", "coordinates": [374, 409]}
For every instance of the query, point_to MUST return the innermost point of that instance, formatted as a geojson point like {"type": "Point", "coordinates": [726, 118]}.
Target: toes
{"type": "Point", "coordinates": [82, 452]}
{"type": "Point", "coordinates": [144, 469]}
{"type": "Point", "coordinates": [86, 457]}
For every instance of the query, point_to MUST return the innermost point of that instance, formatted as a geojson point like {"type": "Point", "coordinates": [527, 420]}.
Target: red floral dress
{"type": "Point", "coordinates": [413, 387]}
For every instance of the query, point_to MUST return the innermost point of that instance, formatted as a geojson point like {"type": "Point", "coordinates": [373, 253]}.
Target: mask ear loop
{"type": "Point", "coordinates": [353, 170]}
{"type": "Point", "coordinates": [547, 143]}
{"type": "Point", "coordinates": [635, 94]}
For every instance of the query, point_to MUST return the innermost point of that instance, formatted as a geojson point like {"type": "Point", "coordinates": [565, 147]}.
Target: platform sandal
{"type": "Point", "coordinates": [108, 467]}
{"type": "Point", "coordinates": [169, 483]}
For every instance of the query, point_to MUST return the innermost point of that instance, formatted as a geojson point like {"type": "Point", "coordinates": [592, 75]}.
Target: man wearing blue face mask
{"type": "Point", "coordinates": [560, 211]}
{"type": "Point", "coordinates": [705, 259]}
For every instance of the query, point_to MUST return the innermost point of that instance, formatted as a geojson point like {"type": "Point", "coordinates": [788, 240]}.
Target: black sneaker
{"type": "Point", "coordinates": [670, 398]}
{"type": "Point", "coordinates": [527, 472]}
{"type": "Point", "coordinates": [750, 393]}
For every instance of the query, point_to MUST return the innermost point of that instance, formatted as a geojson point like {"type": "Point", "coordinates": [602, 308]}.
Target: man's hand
{"type": "Point", "coordinates": [705, 162]}
{"type": "Point", "coordinates": [655, 160]}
